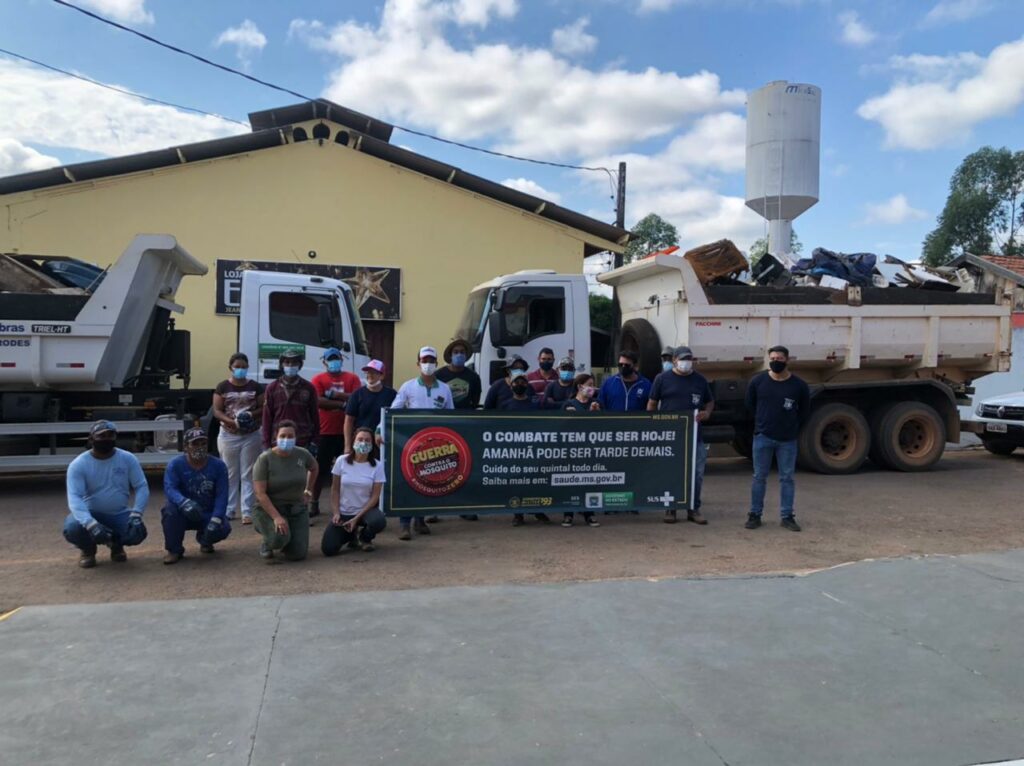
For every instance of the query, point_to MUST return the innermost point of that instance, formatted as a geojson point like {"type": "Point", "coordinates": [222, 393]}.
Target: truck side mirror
{"type": "Point", "coordinates": [495, 328]}
{"type": "Point", "coordinates": [346, 346]}
{"type": "Point", "coordinates": [499, 299]}
{"type": "Point", "coordinates": [325, 327]}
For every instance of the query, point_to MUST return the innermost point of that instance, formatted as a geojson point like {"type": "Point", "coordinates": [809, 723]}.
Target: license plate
{"type": "Point", "coordinates": [999, 428]}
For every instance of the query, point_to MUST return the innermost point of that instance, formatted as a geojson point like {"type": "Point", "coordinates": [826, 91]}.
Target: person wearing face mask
{"type": "Point", "coordinates": [356, 484]}
{"type": "Point", "coordinates": [545, 372]}
{"type": "Point", "coordinates": [196, 487]}
{"type": "Point", "coordinates": [99, 483]}
{"type": "Point", "coordinates": [364, 406]}
{"type": "Point", "coordinates": [780, 403]}
{"type": "Point", "coordinates": [523, 400]}
{"type": "Point", "coordinates": [666, 358]}
{"type": "Point", "coordinates": [501, 390]}
{"type": "Point", "coordinates": [562, 390]}
{"type": "Point", "coordinates": [284, 477]}
{"type": "Point", "coordinates": [334, 386]}
{"type": "Point", "coordinates": [424, 392]}
{"type": "Point", "coordinates": [627, 391]}
{"type": "Point", "coordinates": [238, 405]}
{"type": "Point", "coordinates": [584, 400]}
{"type": "Point", "coordinates": [292, 397]}
{"type": "Point", "coordinates": [464, 382]}
{"type": "Point", "coordinates": [681, 389]}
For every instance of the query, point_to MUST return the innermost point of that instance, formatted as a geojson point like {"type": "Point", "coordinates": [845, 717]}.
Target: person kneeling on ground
{"type": "Point", "coordinates": [358, 478]}
{"type": "Point", "coordinates": [283, 479]}
{"type": "Point", "coordinates": [196, 486]}
{"type": "Point", "coordinates": [98, 484]}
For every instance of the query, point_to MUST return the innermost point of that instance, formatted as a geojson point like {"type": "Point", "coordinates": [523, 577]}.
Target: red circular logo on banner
{"type": "Point", "coordinates": [436, 461]}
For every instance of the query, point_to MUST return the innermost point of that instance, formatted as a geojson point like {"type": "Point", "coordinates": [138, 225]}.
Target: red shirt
{"type": "Point", "coordinates": [332, 422]}
{"type": "Point", "coordinates": [537, 380]}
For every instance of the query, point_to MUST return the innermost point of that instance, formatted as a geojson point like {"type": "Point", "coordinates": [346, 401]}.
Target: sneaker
{"type": "Point", "coordinates": [366, 546]}
{"type": "Point", "coordinates": [518, 520]}
{"type": "Point", "coordinates": [567, 521]}
{"type": "Point", "coordinates": [542, 518]}
{"type": "Point", "coordinates": [87, 560]}
{"type": "Point", "coordinates": [265, 553]}
{"type": "Point", "coordinates": [789, 523]}
{"type": "Point", "coordinates": [172, 558]}
{"type": "Point", "coordinates": [232, 516]}
{"type": "Point", "coordinates": [592, 522]}
{"type": "Point", "coordinates": [404, 533]}
{"type": "Point", "coordinates": [695, 517]}
{"type": "Point", "coordinates": [247, 520]}
{"type": "Point", "coordinates": [420, 525]}
{"type": "Point", "coordinates": [117, 554]}
{"type": "Point", "coordinates": [753, 521]}
{"type": "Point", "coordinates": [206, 549]}
{"type": "Point", "coordinates": [670, 517]}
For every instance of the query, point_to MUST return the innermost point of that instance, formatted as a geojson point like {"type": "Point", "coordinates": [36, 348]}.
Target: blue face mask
{"type": "Point", "coordinates": [566, 375]}
{"type": "Point", "coordinates": [666, 366]}
{"type": "Point", "coordinates": [291, 372]}
{"type": "Point", "coordinates": [459, 360]}
{"type": "Point", "coordinates": [285, 445]}
{"type": "Point", "coordinates": [334, 365]}
{"type": "Point", "coordinates": [239, 373]}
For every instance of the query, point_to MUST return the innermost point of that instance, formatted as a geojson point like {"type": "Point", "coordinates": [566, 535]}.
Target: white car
{"type": "Point", "coordinates": [999, 423]}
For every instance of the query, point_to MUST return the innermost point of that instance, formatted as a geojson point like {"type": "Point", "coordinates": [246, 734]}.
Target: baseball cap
{"type": "Point", "coordinates": [102, 427]}
{"type": "Point", "coordinates": [668, 351]}
{"type": "Point", "coordinates": [681, 352]}
{"type": "Point", "coordinates": [428, 351]}
{"type": "Point", "coordinates": [375, 364]}
{"type": "Point", "coordinates": [194, 434]}
{"type": "Point", "coordinates": [516, 359]}
{"type": "Point", "coordinates": [293, 353]}
{"type": "Point", "coordinates": [566, 361]}
{"type": "Point", "coordinates": [331, 353]}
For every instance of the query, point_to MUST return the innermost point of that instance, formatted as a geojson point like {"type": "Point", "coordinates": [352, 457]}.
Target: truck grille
{"type": "Point", "coordinates": [1001, 412]}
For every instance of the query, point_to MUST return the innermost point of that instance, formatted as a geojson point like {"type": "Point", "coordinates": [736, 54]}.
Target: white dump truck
{"type": "Point", "coordinates": [887, 366]}
{"type": "Point", "coordinates": [78, 343]}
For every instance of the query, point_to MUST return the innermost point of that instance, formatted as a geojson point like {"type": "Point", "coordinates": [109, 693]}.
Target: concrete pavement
{"type": "Point", "coordinates": [889, 662]}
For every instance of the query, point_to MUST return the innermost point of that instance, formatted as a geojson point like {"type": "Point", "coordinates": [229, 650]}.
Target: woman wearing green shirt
{"type": "Point", "coordinates": [283, 478]}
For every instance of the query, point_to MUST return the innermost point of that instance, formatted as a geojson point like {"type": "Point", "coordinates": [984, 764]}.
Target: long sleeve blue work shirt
{"type": "Point", "coordinates": [207, 486]}
{"type": "Point", "coordinates": [103, 486]}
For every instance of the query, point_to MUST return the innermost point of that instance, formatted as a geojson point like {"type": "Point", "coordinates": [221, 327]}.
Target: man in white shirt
{"type": "Point", "coordinates": [424, 392]}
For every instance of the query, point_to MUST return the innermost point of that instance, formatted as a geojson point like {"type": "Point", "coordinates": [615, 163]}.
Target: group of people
{"type": "Point", "coordinates": [278, 445]}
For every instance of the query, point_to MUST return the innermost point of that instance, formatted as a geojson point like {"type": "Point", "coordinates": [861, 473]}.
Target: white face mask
{"type": "Point", "coordinates": [684, 365]}
{"type": "Point", "coordinates": [428, 368]}
{"type": "Point", "coordinates": [373, 386]}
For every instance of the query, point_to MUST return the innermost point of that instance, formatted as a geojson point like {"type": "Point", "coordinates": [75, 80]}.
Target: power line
{"type": "Point", "coordinates": [114, 88]}
{"type": "Point", "coordinates": [282, 89]}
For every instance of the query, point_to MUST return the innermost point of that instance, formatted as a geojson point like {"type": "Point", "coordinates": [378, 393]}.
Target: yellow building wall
{"type": "Point", "coordinates": [276, 205]}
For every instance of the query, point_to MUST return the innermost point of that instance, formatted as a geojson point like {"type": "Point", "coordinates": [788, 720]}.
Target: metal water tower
{"type": "Point", "coordinates": [783, 155]}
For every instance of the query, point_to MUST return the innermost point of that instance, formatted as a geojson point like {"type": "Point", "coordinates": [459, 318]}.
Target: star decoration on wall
{"type": "Point", "coordinates": [369, 284]}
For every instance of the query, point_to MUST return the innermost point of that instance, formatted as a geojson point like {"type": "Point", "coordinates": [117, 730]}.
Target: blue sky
{"type": "Point", "coordinates": [909, 88]}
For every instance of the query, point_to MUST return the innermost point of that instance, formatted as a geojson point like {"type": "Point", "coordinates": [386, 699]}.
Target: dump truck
{"type": "Point", "coordinates": [78, 342]}
{"type": "Point", "coordinates": [887, 366]}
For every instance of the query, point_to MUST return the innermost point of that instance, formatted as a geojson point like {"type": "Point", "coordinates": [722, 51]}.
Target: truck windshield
{"type": "Point", "coordinates": [474, 317]}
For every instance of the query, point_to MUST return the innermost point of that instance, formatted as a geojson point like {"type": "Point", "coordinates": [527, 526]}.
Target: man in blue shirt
{"type": "Point", "coordinates": [683, 390]}
{"type": "Point", "coordinates": [98, 483]}
{"type": "Point", "coordinates": [627, 391]}
{"type": "Point", "coordinates": [780, 403]}
{"type": "Point", "coordinates": [196, 486]}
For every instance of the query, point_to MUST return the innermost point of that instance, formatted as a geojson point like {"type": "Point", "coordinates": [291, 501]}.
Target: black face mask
{"type": "Point", "coordinates": [626, 369]}
{"type": "Point", "coordinates": [103, 446]}
{"type": "Point", "coordinates": [777, 367]}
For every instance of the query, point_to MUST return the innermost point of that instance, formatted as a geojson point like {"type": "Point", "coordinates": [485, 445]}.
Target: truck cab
{"type": "Point", "coordinates": [522, 313]}
{"type": "Point", "coordinates": [284, 311]}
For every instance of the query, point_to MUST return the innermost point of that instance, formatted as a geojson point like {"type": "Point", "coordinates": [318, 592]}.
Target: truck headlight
{"type": "Point", "coordinates": [979, 410]}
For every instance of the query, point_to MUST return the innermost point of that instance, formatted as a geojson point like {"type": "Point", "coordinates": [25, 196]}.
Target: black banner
{"type": "Point", "coordinates": [377, 289]}
{"type": "Point", "coordinates": [511, 462]}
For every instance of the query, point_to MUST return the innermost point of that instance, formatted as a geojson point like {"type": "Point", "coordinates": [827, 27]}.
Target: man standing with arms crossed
{"type": "Point", "coordinates": [780, 403]}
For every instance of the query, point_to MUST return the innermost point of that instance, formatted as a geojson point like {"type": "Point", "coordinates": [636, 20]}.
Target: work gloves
{"type": "Point", "coordinates": [191, 510]}
{"type": "Point", "coordinates": [214, 532]}
{"type": "Point", "coordinates": [135, 532]}
{"type": "Point", "coordinates": [101, 535]}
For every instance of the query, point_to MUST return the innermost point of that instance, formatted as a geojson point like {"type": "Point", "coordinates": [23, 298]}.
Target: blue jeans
{"type": "Point", "coordinates": [700, 457]}
{"type": "Point", "coordinates": [175, 525]}
{"type": "Point", "coordinates": [79, 536]}
{"type": "Point", "coordinates": [785, 454]}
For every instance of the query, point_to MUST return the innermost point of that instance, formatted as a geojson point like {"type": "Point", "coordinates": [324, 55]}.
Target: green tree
{"type": "Point", "coordinates": [760, 247]}
{"type": "Point", "coordinates": [601, 312]}
{"type": "Point", "coordinates": [984, 210]}
{"type": "Point", "coordinates": [652, 232]}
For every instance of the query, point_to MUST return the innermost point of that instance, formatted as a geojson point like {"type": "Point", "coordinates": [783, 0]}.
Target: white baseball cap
{"type": "Point", "coordinates": [428, 351]}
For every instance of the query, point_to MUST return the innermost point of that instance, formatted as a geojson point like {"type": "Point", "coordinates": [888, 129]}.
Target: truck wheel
{"type": "Point", "coordinates": [998, 447]}
{"type": "Point", "coordinates": [835, 439]}
{"type": "Point", "coordinates": [909, 436]}
{"type": "Point", "coordinates": [640, 337]}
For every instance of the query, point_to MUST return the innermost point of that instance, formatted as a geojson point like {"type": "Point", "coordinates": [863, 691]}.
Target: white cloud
{"type": "Point", "coordinates": [528, 100]}
{"type": "Point", "coordinates": [924, 115]}
{"type": "Point", "coordinates": [854, 31]}
{"type": "Point", "coordinates": [573, 39]}
{"type": "Point", "coordinates": [126, 11]}
{"type": "Point", "coordinates": [247, 39]}
{"type": "Point", "coordinates": [90, 118]}
{"type": "Point", "coordinates": [702, 215]}
{"type": "Point", "coordinates": [527, 186]}
{"type": "Point", "coordinates": [920, 67]}
{"type": "Point", "coordinates": [17, 158]}
{"type": "Point", "coordinates": [478, 12]}
{"type": "Point", "coordinates": [892, 212]}
{"type": "Point", "coordinates": [655, 6]}
{"type": "Point", "coordinates": [952, 11]}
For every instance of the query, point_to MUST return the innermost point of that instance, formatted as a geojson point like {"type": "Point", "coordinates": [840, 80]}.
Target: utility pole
{"type": "Point", "coordinates": [620, 221]}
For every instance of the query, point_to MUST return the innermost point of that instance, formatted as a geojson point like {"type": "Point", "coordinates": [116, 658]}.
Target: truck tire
{"type": "Point", "coordinates": [835, 439]}
{"type": "Point", "coordinates": [640, 337]}
{"type": "Point", "coordinates": [997, 447]}
{"type": "Point", "coordinates": [743, 443]}
{"type": "Point", "coordinates": [908, 436]}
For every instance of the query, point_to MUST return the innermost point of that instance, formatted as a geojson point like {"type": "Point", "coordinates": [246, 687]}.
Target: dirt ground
{"type": "Point", "coordinates": [970, 503]}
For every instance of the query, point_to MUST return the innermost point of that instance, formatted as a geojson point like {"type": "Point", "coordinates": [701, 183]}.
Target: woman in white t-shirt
{"type": "Point", "coordinates": [356, 483]}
